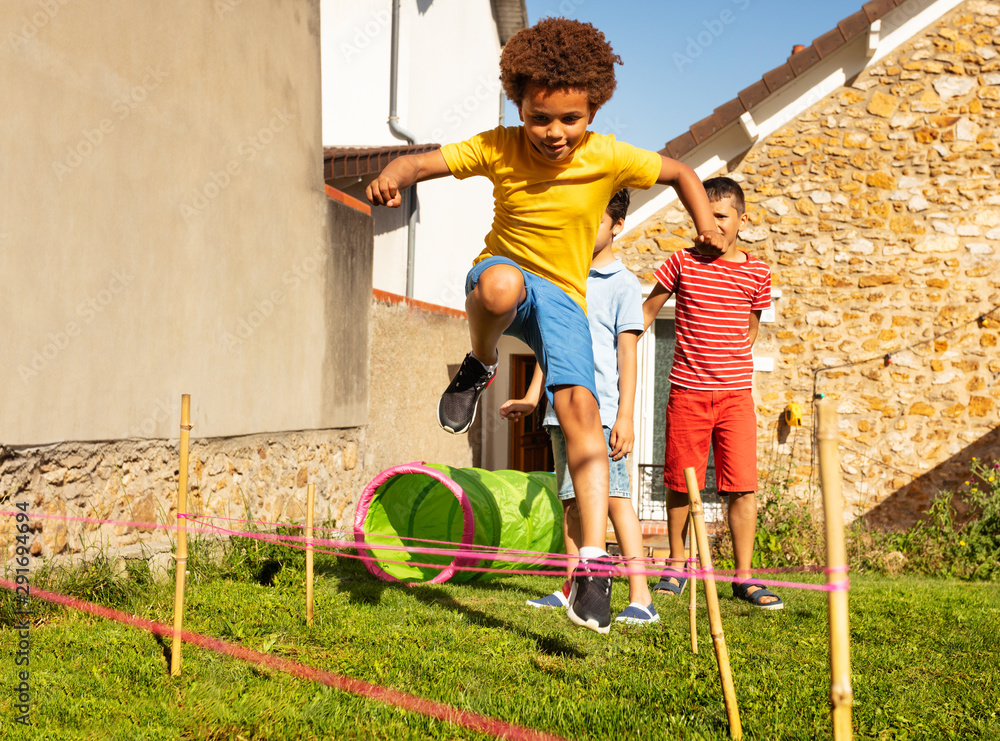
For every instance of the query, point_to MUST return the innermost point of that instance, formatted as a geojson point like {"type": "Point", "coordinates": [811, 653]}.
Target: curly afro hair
{"type": "Point", "coordinates": [559, 53]}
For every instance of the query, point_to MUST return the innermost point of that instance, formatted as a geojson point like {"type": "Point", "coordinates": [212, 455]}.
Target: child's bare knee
{"type": "Point", "coordinates": [499, 290]}
{"type": "Point", "coordinates": [575, 404]}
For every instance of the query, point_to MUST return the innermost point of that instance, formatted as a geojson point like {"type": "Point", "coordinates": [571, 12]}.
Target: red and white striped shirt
{"type": "Point", "coordinates": [714, 301]}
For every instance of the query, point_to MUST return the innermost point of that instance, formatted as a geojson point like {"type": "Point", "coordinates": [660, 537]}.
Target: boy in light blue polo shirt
{"type": "Point", "coordinates": [614, 311]}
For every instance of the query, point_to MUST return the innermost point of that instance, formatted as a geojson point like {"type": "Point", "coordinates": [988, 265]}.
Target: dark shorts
{"type": "Point", "coordinates": [553, 325]}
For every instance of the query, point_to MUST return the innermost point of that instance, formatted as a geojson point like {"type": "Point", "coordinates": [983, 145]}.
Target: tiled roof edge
{"type": "Point", "coordinates": [344, 162]}
{"type": "Point", "coordinates": [771, 82]}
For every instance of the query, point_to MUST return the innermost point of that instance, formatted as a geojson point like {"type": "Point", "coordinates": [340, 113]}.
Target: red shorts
{"type": "Point", "coordinates": [727, 420]}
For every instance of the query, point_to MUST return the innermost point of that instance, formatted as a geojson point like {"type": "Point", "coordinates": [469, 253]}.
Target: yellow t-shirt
{"type": "Point", "coordinates": [546, 214]}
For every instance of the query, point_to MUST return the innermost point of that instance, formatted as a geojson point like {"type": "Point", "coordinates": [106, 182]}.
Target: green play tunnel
{"type": "Point", "coordinates": [462, 514]}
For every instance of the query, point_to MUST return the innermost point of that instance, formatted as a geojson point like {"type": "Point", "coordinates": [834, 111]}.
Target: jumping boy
{"type": "Point", "coordinates": [719, 301]}
{"type": "Point", "coordinates": [552, 180]}
{"type": "Point", "coordinates": [614, 310]}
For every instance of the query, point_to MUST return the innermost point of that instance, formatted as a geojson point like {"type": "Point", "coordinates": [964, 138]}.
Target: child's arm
{"type": "Point", "coordinates": [653, 303]}
{"type": "Point", "coordinates": [754, 326]}
{"type": "Point", "coordinates": [623, 433]}
{"type": "Point", "coordinates": [689, 189]}
{"type": "Point", "coordinates": [512, 409]}
{"type": "Point", "coordinates": [403, 172]}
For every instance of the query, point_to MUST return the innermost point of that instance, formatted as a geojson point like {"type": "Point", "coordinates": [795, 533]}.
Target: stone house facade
{"type": "Point", "coordinates": [878, 210]}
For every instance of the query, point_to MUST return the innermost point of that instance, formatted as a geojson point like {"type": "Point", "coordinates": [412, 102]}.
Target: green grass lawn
{"type": "Point", "coordinates": [924, 663]}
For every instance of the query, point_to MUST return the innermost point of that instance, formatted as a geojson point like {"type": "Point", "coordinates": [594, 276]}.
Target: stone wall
{"type": "Point", "coordinates": [255, 477]}
{"type": "Point", "coordinates": [415, 350]}
{"type": "Point", "coordinates": [878, 210]}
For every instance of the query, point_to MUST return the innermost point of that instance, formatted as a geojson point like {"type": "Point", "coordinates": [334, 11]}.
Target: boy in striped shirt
{"type": "Point", "coordinates": [719, 301]}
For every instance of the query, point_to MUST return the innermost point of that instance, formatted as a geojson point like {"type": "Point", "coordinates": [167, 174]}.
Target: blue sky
{"type": "Point", "coordinates": [684, 58]}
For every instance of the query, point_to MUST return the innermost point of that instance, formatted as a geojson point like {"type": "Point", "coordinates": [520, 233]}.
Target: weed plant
{"type": "Point", "coordinates": [959, 537]}
{"type": "Point", "coordinates": [787, 535]}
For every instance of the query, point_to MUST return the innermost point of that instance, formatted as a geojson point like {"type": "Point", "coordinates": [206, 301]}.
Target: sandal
{"type": "Point", "coordinates": [741, 591]}
{"type": "Point", "coordinates": [666, 585]}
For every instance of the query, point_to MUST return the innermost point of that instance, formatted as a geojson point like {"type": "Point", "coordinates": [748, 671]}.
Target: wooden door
{"type": "Point", "coordinates": [530, 447]}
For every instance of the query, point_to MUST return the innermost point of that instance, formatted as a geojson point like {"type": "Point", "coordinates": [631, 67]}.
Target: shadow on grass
{"type": "Point", "coordinates": [167, 648]}
{"type": "Point", "coordinates": [551, 645]}
{"type": "Point", "coordinates": [363, 588]}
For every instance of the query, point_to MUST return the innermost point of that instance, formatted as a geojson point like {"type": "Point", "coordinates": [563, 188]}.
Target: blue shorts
{"type": "Point", "coordinates": [553, 325]}
{"type": "Point", "coordinates": [617, 469]}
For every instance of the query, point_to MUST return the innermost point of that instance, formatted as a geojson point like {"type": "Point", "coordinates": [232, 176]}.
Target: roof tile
{"type": "Point", "coordinates": [803, 60]}
{"type": "Point", "coordinates": [798, 63]}
{"type": "Point", "coordinates": [341, 162]}
{"type": "Point", "coordinates": [753, 95]}
{"type": "Point", "coordinates": [778, 77]}
{"type": "Point", "coordinates": [829, 42]}
{"type": "Point", "coordinates": [681, 145]}
{"type": "Point", "coordinates": [852, 25]}
{"type": "Point", "coordinates": [875, 9]}
{"type": "Point", "coordinates": [705, 128]}
{"type": "Point", "coordinates": [729, 111]}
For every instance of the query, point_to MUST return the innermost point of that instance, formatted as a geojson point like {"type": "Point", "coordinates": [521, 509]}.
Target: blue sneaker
{"type": "Point", "coordinates": [555, 600]}
{"type": "Point", "coordinates": [636, 614]}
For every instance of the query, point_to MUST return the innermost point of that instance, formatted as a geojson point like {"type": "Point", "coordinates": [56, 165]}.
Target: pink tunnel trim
{"type": "Point", "coordinates": [368, 496]}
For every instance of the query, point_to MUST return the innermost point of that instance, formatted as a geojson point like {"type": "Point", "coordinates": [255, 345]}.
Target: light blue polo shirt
{"type": "Point", "coordinates": [614, 305]}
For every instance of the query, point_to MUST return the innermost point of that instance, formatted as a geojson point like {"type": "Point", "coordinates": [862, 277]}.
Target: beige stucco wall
{"type": "Point", "coordinates": [165, 229]}
{"type": "Point", "coordinates": [878, 211]}
{"type": "Point", "coordinates": [69, 486]}
{"type": "Point", "coordinates": [415, 350]}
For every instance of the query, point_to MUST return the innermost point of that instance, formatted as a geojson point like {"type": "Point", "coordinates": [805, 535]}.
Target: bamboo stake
{"type": "Point", "coordinates": [712, 600]}
{"type": "Point", "coordinates": [841, 695]}
{"type": "Point", "coordinates": [180, 570]}
{"type": "Point", "coordinates": [693, 597]}
{"type": "Point", "coordinates": [310, 502]}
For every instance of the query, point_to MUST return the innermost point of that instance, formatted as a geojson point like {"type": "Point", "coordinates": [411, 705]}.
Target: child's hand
{"type": "Point", "coordinates": [384, 191]}
{"type": "Point", "coordinates": [514, 409]}
{"type": "Point", "coordinates": [621, 439]}
{"type": "Point", "coordinates": [710, 243]}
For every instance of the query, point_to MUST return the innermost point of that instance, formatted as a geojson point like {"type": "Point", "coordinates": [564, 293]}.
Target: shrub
{"type": "Point", "coordinates": [945, 543]}
{"type": "Point", "coordinates": [948, 544]}
{"type": "Point", "coordinates": [786, 534]}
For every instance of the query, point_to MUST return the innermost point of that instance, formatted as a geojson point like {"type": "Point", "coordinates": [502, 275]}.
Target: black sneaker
{"type": "Point", "coordinates": [590, 596]}
{"type": "Point", "coordinates": [457, 408]}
